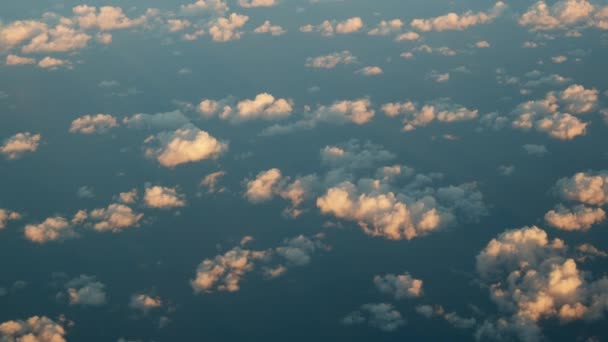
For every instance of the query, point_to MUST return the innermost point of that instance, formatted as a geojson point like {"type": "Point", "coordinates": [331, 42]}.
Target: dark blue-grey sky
{"type": "Point", "coordinates": [331, 170]}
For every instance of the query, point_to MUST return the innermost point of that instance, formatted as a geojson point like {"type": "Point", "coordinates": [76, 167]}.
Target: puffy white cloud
{"type": "Point", "coordinates": [454, 21]}
{"type": "Point", "coordinates": [532, 279]}
{"type": "Point", "coordinates": [399, 286]}
{"type": "Point", "coordinates": [264, 186]}
{"type": "Point", "coordinates": [19, 144]}
{"type": "Point", "coordinates": [482, 44]}
{"type": "Point", "coordinates": [144, 303]}
{"type": "Point", "coordinates": [128, 197]}
{"type": "Point", "coordinates": [329, 28]}
{"type": "Point", "coordinates": [226, 271]}
{"type": "Point", "coordinates": [105, 18]}
{"type": "Point", "coordinates": [578, 100]}
{"type": "Point", "coordinates": [176, 25]}
{"type": "Point", "coordinates": [563, 15]}
{"type": "Point", "coordinates": [85, 290]}
{"type": "Point", "coordinates": [264, 106]}
{"type": "Point", "coordinates": [34, 329]}
{"type": "Point", "coordinates": [52, 63]}
{"type": "Point", "coordinates": [267, 27]}
{"type": "Point", "coordinates": [578, 218]}
{"type": "Point", "coordinates": [407, 36]}
{"type": "Point", "coordinates": [228, 29]}
{"type": "Point", "coordinates": [163, 197]}
{"type": "Point", "coordinates": [20, 31]}
{"type": "Point", "coordinates": [61, 38]}
{"type": "Point", "coordinates": [18, 60]}
{"type": "Point", "coordinates": [200, 6]}
{"type": "Point", "coordinates": [185, 145]}
{"type": "Point", "coordinates": [6, 216]}
{"type": "Point", "coordinates": [114, 218]}
{"type": "Point", "coordinates": [257, 3]}
{"type": "Point", "coordinates": [441, 110]}
{"type": "Point", "coordinates": [52, 229]}
{"type": "Point", "coordinates": [89, 124]}
{"type": "Point", "coordinates": [379, 315]}
{"type": "Point", "coordinates": [588, 188]}
{"type": "Point", "coordinates": [387, 27]}
{"type": "Point", "coordinates": [359, 111]}
{"type": "Point", "coordinates": [370, 71]}
{"type": "Point", "coordinates": [331, 60]}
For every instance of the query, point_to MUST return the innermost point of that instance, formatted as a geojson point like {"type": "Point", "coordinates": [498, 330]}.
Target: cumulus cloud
{"type": "Point", "coordinates": [459, 22]}
{"type": "Point", "coordinates": [564, 15]}
{"type": "Point", "coordinates": [263, 107]}
{"type": "Point", "coordinates": [226, 271]}
{"type": "Point", "coordinates": [19, 144]}
{"type": "Point", "coordinates": [115, 218]}
{"type": "Point", "coordinates": [452, 318]}
{"type": "Point", "coordinates": [201, 6]}
{"type": "Point", "coordinates": [185, 145]}
{"type": "Point", "coordinates": [85, 290]}
{"type": "Point", "coordinates": [359, 112]}
{"type": "Point", "coordinates": [387, 27]}
{"type": "Point", "coordinates": [399, 286]}
{"type": "Point", "coordinates": [585, 187]}
{"type": "Point", "coordinates": [257, 3]}
{"type": "Point", "coordinates": [105, 18]}
{"type": "Point", "coordinates": [441, 110]}
{"type": "Point", "coordinates": [89, 124]}
{"type": "Point", "coordinates": [52, 229]}
{"type": "Point", "coordinates": [144, 303]}
{"type": "Point", "coordinates": [267, 27]}
{"type": "Point", "coordinates": [52, 63]}
{"type": "Point", "coordinates": [227, 29]}
{"type": "Point", "coordinates": [329, 28]}
{"type": "Point", "coordinates": [161, 197]}
{"type": "Point", "coordinates": [211, 182]}
{"type": "Point", "coordinates": [379, 315]}
{"type": "Point", "coordinates": [34, 329]}
{"type": "Point", "coordinates": [18, 60]}
{"type": "Point", "coordinates": [370, 71]}
{"type": "Point", "coordinates": [531, 278]}
{"type": "Point", "coordinates": [578, 218]}
{"type": "Point", "coordinates": [6, 216]}
{"type": "Point", "coordinates": [331, 60]}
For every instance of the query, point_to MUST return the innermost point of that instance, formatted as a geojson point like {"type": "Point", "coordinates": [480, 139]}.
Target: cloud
{"type": "Point", "coordinates": [158, 121]}
{"type": "Point", "coordinates": [370, 71]}
{"type": "Point", "coordinates": [61, 38]}
{"type": "Point", "coordinates": [531, 279]}
{"type": "Point", "coordinates": [89, 124]}
{"type": "Point", "coordinates": [441, 110]}
{"type": "Point", "coordinates": [52, 229]}
{"type": "Point", "coordinates": [575, 219]}
{"type": "Point", "coordinates": [257, 3]}
{"type": "Point", "coordinates": [19, 144]}
{"type": "Point", "coordinates": [264, 186]}
{"type": "Point", "coordinates": [585, 187]}
{"type": "Point", "coordinates": [86, 290]}
{"type": "Point", "coordinates": [387, 27]}
{"type": "Point", "coordinates": [200, 6]}
{"type": "Point", "coordinates": [20, 31]}
{"type": "Point", "coordinates": [267, 27]}
{"type": "Point", "coordinates": [227, 29]}
{"type": "Point", "coordinates": [452, 318]}
{"type": "Point", "coordinates": [144, 303]}
{"type": "Point", "coordinates": [18, 60]}
{"type": "Point", "coordinates": [399, 286]}
{"type": "Point", "coordinates": [564, 15]}
{"type": "Point", "coordinates": [359, 112]}
{"type": "Point", "coordinates": [379, 315]}
{"type": "Point", "coordinates": [185, 145]}
{"type": "Point", "coordinates": [535, 150]}
{"type": "Point", "coordinates": [331, 60]}
{"type": "Point", "coordinates": [163, 197]}
{"type": "Point", "coordinates": [226, 271]}
{"type": "Point", "coordinates": [105, 18]}
{"type": "Point", "coordinates": [115, 218]}
{"type": "Point", "coordinates": [211, 182]}
{"type": "Point", "coordinates": [52, 63]}
{"type": "Point", "coordinates": [6, 216]}
{"type": "Point", "coordinates": [459, 22]}
{"type": "Point", "coordinates": [329, 28]}
{"type": "Point", "coordinates": [263, 107]}
{"type": "Point", "coordinates": [34, 329]}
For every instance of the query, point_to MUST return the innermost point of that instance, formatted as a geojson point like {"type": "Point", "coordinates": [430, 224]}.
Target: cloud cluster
{"type": "Point", "coordinates": [85, 290]}
{"type": "Point", "coordinates": [329, 28]}
{"type": "Point", "coordinates": [441, 110]}
{"type": "Point", "coordinates": [6, 216]}
{"type": "Point", "coordinates": [226, 271]}
{"type": "Point", "coordinates": [532, 279]}
{"type": "Point", "coordinates": [34, 329]}
{"type": "Point", "coordinates": [565, 15]}
{"type": "Point", "coordinates": [378, 315]}
{"type": "Point", "coordinates": [144, 303]}
{"type": "Point", "coordinates": [331, 60]}
{"type": "Point", "coordinates": [399, 286]}
{"type": "Point", "coordinates": [459, 22]}
{"type": "Point", "coordinates": [161, 197]}
{"type": "Point", "coordinates": [263, 107]}
{"type": "Point", "coordinates": [89, 124]}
